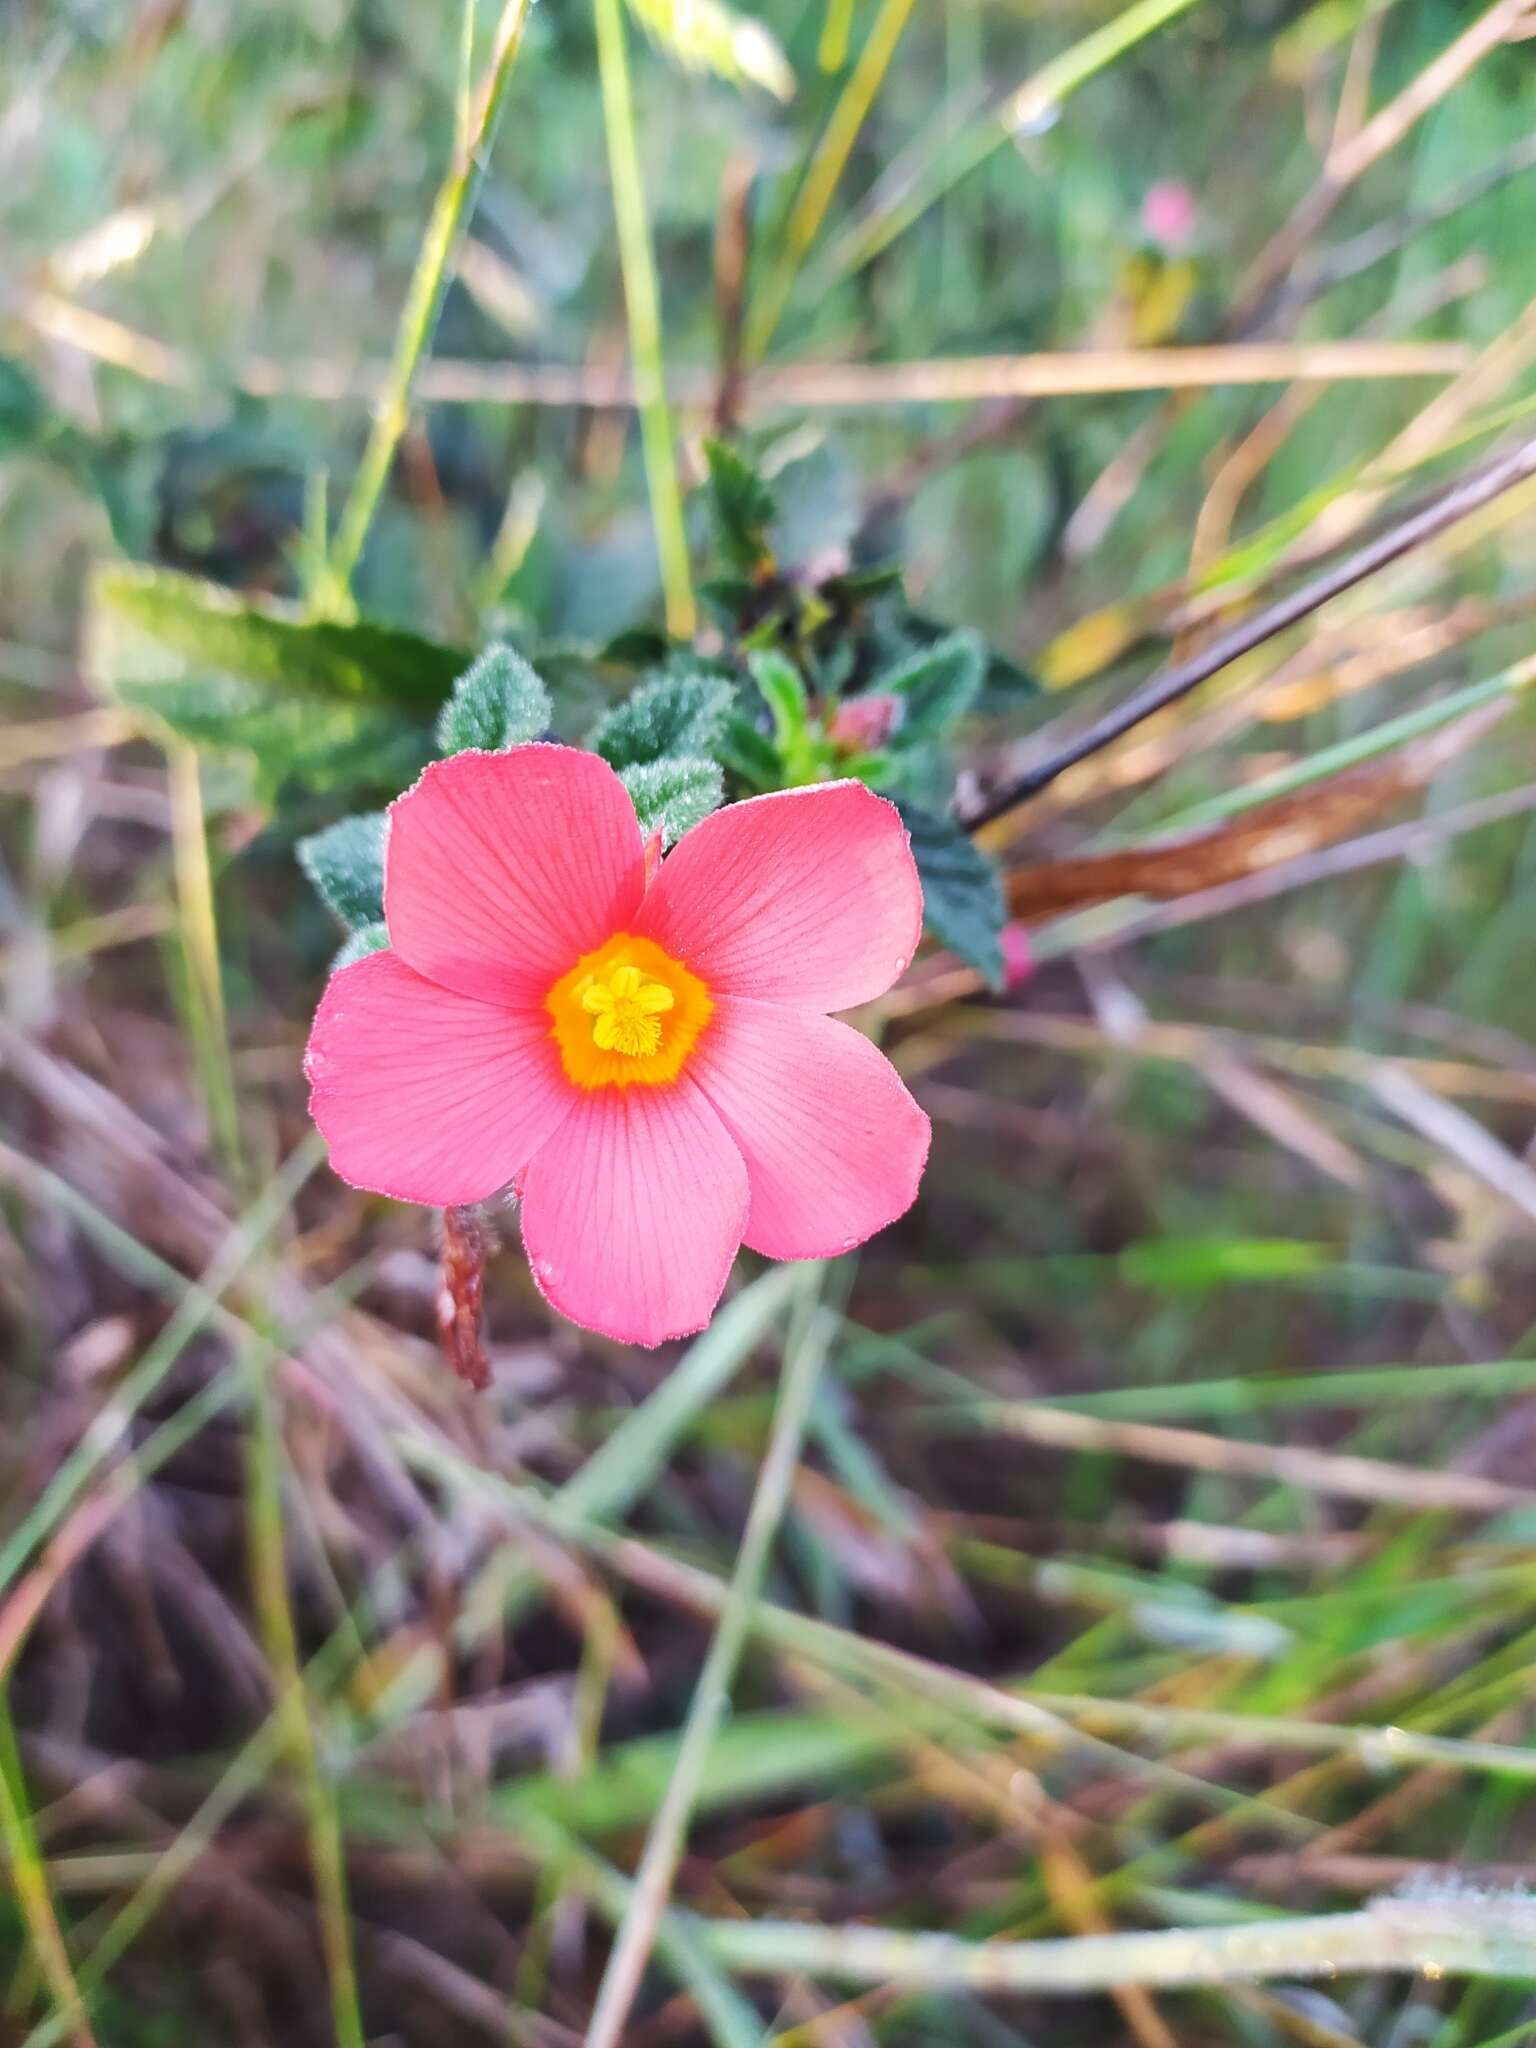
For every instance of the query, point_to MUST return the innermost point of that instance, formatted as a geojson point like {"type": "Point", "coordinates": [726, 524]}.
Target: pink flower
{"type": "Point", "coordinates": [646, 1058]}
{"type": "Point", "coordinates": [1018, 955]}
{"type": "Point", "coordinates": [1169, 215]}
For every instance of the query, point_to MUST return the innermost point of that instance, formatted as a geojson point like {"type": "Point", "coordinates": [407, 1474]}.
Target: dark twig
{"type": "Point", "coordinates": [1476, 490]}
{"type": "Point", "coordinates": [1349, 259]}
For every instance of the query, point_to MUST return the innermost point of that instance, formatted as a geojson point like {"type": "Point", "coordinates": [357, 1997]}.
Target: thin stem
{"type": "Point", "coordinates": [1488, 1935]}
{"type": "Point", "coordinates": [280, 1639]}
{"type": "Point", "coordinates": [1458, 503]}
{"type": "Point", "coordinates": [1031, 104]}
{"type": "Point", "coordinates": [642, 303]}
{"type": "Point", "coordinates": [837, 27]}
{"type": "Point", "coordinates": [825, 169]}
{"type": "Point", "coordinates": [29, 1879]}
{"type": "Point", "coordinates": [423, 301]}
{"type": "Point", "coordinates": [1353, 752]}
{"type": "Point", "coordinates": [200, 950]}
{"type": "Point", "coordinates": [664, 1845]}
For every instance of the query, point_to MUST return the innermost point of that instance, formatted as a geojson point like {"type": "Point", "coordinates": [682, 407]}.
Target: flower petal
{"type": "Point", "coordinates": [633, 1211]}
{"type": "Point", "coordinates": [426, 1095]}
{"type": "Point", "coordinates": [501, 869]}
{"type": "Point", "coordinates": [808, 897]}
{"type": "Point", "coordinates": [834, 1144]}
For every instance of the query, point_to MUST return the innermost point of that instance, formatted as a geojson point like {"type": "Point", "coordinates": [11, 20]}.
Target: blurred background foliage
{"type": "Point", "coordinates": [1180, 1441]}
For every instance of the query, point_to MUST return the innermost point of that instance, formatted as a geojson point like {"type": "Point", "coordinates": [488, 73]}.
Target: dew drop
{"type": "Point", "coordinates": [1034, 117]}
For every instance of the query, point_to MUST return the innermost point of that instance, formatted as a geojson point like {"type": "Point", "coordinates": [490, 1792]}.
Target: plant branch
{"type": "Point", "coordinates": [1470, 495]}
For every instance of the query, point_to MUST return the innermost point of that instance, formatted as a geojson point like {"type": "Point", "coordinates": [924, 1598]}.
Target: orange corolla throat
{"type": "Point", "coordinates": [628, 1013]}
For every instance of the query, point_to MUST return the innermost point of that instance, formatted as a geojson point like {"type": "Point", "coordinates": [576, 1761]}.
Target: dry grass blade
{"type": "Point", "coordinates": [1375, 850]}
{"type": "Point", "coordinates": [1312, 1471]}
{"type": "Point", "coordinates": [1492, 1937]}
{"type": "Point", "coordinates": [1074, 373]}
{"type": "Point", "coordinates": [1268, 835]}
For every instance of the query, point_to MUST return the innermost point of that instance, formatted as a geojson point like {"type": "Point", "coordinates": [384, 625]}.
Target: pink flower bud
{"type": "Point", "coordinates": [1169, 215]}
{"type": "Point", "coordinates": [1018, 955]}
{"type": "Point", "coordinates": [864, 723]}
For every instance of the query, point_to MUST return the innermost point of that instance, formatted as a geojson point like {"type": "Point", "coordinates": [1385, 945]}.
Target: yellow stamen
{"type": "Point", "coordinates": [627, 1009]}
{"type": "Point", "coordinates": [628, 1014]}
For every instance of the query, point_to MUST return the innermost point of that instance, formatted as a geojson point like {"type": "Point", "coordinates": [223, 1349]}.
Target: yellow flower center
{"type": "Point", "coordinates": [626, 1014]}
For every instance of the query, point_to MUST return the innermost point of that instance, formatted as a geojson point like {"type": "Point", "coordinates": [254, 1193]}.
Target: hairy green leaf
{"type": "Point", "coordinates": [498, 702]}
{"type": "Point", "coordinates": [962, 894]}
{"type": "Point", "coordinates": [672, 714]}
{"type": "Point", "coordinates": [263, 641]}
{"type": "Point", "coordinates": [322, 703]}
{"type": "Point", "coordinates": [345, 863]}
{"type": "Point", "coordinates": [368, 938]}
{"type": "Point", "coordinates": [903, 633]}
{"type": "Point", "coordinates": [936, 687]}
{"type": "Point", "coordinates": [670, 797]}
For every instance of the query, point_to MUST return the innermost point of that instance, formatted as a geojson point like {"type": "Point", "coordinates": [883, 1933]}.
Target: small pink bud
{"type": "Point", "coordinates": [652, 858]}
{"type": "Point", "coordinates": [1169, 214]}
{"type": "Point", "coordinates": [864, 723]}
{"type": "Point", "coordinates": [1018, 955]}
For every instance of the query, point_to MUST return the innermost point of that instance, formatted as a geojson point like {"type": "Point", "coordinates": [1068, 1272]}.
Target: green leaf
{"type": "Point", "coordinates": [1199, 1265]}
{"type": "Point", "coordinates": [962, 893]}
{"type": "Point", "coordinates": [743, 508]}
{"type": "Point", "coordinates": [26, 417]}
{"type": "Point", "coordinates": [1004, 684]}
{"type": "Point", "coordinates": [322, 702]}
{"type": "Point", "coordinates": [670, 797]}
{"type": "Point", "coordinates": [783, 690]}
{"type": "Point", "coordinates": [498, 702]}
{"type": "Point", "coordinates": [937, 687]}
{"type": "Point", "coordinates": [754, 1756]}
{"type": "Point", "coordinates": [264, 641]}
{"type": "Point", "coordinates": [672, 714]}
{"type": "Point", "coordinates": [748, 754]}
{"type": "Point", "coordinates": [818, 507]}
{"type": "Point", "coordinates": [345, 864]}
{"type": "Point", "coordinates": [368, 938]}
